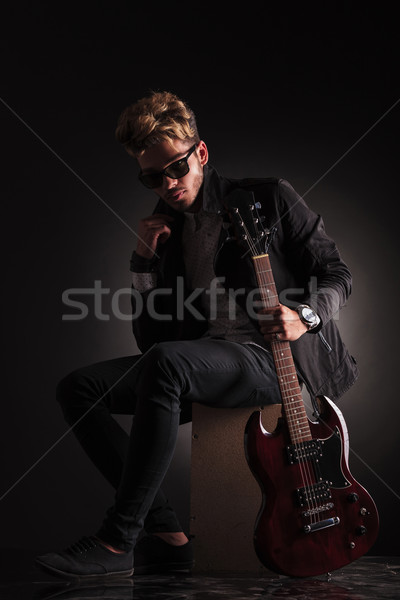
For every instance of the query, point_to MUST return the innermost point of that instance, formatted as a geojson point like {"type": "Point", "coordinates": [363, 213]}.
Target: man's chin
{"type": "Point", "coordinates": [181, 205]}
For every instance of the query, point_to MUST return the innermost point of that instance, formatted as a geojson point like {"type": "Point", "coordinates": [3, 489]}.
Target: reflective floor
{"type": "Point", "coordinates": [376, 578]}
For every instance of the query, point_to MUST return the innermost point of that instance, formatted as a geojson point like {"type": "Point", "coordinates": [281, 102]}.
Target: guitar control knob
{"type": "Point", "coordinates": [361, 530]}
{"type": "Point", "coordinates": [353, 497]}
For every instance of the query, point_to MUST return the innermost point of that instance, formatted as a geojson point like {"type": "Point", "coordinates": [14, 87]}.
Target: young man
{"type": "Point", "coordinates": [198, 344]}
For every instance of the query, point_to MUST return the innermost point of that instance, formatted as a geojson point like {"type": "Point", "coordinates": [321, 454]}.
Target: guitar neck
{"type": "Point", "coordinates": [292, 399]}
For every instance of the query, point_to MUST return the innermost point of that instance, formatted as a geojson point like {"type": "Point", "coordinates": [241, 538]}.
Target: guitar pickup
{"type": "Point", "coordinates": [304, 451]}
{"type": "Point", "coordinates": [314, 494]}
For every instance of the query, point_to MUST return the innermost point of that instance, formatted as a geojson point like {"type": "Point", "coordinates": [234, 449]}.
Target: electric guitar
{"type": "Point", "coordinates": [315, 517]}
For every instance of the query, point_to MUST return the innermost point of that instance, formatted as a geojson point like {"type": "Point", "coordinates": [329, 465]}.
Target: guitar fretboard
{"type": "Point", "coordinates": [292, 399]}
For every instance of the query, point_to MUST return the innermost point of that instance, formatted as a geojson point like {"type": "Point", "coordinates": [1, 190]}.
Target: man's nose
{"type": "Point", "coordinates": [169, 183]}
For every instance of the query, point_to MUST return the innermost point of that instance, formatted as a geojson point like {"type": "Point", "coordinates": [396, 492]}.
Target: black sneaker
{"type": "Point", "coordinates": [87, 559]}
{"type": "Point", "coordinates": [153, 555]}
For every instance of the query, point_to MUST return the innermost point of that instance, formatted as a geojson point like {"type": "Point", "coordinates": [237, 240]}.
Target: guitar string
{"type": "Point", "coordinates": [303, 462]}
{"type": "Point", "coordinates": [300, 428]}
{"type": "Point", "coordinates": [297, 420]}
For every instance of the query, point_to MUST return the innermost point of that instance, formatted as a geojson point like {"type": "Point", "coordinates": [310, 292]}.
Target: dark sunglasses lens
{"type": "Point", "coordinates": [151, 180]}
{"type": "Point", "coordinates": [177, 169]}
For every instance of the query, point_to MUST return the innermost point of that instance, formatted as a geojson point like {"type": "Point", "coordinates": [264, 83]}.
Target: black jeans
{"type": "Point", "coordinates": [158, 388]}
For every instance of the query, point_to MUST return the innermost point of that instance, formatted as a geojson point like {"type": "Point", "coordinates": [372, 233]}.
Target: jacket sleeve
{"type": "Point", "coordinates": [144, 284]}
{"type": "Point", "coordinates": [313, 254]}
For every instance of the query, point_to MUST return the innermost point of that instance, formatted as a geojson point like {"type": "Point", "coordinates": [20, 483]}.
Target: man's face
{"type": "Point", "coordinates": [181, 193]}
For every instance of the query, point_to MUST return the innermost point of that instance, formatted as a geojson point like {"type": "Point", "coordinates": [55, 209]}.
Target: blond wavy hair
{"type": "Point", "coordinates": [162, 116]}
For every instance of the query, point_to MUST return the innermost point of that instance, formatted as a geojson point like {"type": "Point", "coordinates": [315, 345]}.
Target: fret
{"type": "Point", "coordinates": [303, 421]}
{"type": "Point", "coordinates": [288, 391]}
{"type": "Point", "coordinates": [289, 366]}
{"type": "Point", "coordinates": [298, 425]}
{"type": "Point", "coordinates": [282, 355]}
{"type": "Point", "coordinates": [287, 369]}
{"type": "Point", "coordinates": [297, 415]}
{"type": "Point", "coordinates": [300, 435]}
{"type": "Point", "coordinates": [289, 378]}
{"type": "Point", "coordinates": [291, 386]}
{"type": "Point", "coordinates": [285, 362]}
{"type": "Point", "coordinates": [287, 372]}
{"type": "Point", "coordinates": [294, 405]}
{"type": "Point", "coordinates": [267, 288]}
{"type": "Point", "coordinates": [294, 413]}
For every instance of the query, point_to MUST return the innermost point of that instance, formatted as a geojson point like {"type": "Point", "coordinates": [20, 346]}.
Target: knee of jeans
{"type": "Point", "coordinates": [161, 365]}
{"type": "Point", "coordinates": [161, 357]}
{"type": "Point", "coordinates": [72, 395]}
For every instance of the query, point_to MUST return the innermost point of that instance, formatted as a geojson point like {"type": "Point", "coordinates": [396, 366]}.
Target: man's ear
{"type": "Point", "coordinates": [202, 151]}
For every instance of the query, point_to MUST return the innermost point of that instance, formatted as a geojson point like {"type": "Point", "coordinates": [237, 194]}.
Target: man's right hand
{"type": "Point", "coordinates": [152, 230]}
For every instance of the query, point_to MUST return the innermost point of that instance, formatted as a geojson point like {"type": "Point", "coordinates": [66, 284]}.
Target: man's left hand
{"type": "Point", "coordinates": [280, 324]}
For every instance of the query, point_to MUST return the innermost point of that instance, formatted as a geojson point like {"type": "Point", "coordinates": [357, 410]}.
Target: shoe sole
{"type": "Point", "coordinates": [66, 575]}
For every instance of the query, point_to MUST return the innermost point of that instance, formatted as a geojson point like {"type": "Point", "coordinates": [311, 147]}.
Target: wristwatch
{"type": "Point", "coordinates": [308, 316]}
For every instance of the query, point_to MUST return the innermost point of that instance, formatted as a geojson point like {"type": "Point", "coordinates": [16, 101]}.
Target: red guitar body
{"type": "Point", "coordinates": [304, 531]}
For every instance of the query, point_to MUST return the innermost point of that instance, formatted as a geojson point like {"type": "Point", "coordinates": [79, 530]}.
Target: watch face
{"type": "Point", "coordinates": [308, 314]}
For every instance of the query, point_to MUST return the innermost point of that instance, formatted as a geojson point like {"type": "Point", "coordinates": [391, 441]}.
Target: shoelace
{"type": "Point", "coordinates": [82, 545]}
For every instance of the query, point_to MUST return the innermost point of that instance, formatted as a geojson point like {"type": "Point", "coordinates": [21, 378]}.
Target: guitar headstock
{"type": "Point", "coordinates": [247, 222]}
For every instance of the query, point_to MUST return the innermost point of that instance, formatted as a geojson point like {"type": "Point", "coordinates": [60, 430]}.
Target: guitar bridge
{"type": "Point", "coordinates": [318, 509]}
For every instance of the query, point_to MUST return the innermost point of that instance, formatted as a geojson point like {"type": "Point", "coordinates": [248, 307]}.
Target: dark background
{"type": "Point", "coordinates": [299, 92]}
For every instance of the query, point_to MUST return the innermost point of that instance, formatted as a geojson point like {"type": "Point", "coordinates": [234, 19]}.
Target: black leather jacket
{"type": "Point", "coordinates": [307, 270]}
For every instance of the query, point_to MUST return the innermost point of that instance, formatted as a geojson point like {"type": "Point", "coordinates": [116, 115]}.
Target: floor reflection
{"type": "Point", "coordinates": [369, 578]}
{"type": "Point", "coordinates": [199, 589]}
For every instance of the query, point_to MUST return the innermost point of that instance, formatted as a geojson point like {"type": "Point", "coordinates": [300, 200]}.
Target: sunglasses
{"type": "Point", "coordinates": [175, 170]}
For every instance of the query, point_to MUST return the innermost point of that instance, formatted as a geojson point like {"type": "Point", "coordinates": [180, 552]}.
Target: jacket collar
{"type": "Point", "coordinates": [214, 189]}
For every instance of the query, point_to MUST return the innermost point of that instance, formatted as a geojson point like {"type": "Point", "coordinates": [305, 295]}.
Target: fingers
{"type": "Point", "coordinates": [152, 230]}
{"type": "Point", "coordinates": [280, 323]}
{"type": "Point", "coordinates": [155, 222]}
{"type": "Point", "coordinates": [270, 323]}
{"type": "Point", "coordinates": [270, 318]}
{"type": "Point", "coordinates": [158, 218]}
